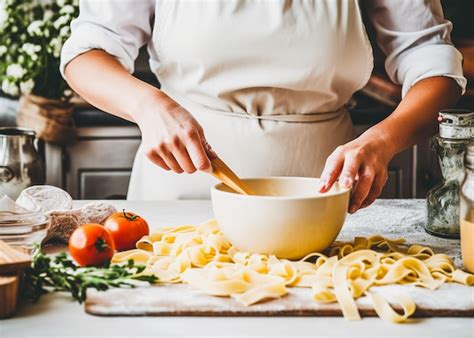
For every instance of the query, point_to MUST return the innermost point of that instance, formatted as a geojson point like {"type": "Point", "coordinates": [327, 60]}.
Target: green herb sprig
{"type": "Point", "coordinates": [59, 273]}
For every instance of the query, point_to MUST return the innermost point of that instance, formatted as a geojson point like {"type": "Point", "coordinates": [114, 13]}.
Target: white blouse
{"type": "Point", "coordinates": [244, 68]}
{"type": "Point", "coordinates": [412, 33]}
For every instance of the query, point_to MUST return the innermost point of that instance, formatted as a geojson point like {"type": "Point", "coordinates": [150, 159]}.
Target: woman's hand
{"type": "Point", "coordinates": [172, 138]}
{"type": "Point", "coordinates": [360, 164]}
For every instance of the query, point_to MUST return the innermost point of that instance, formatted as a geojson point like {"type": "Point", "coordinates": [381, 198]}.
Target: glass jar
{"type": "Point", "coordinates": [443, 199]}
{"type": "Point", "coordinates": [467, 211]}
{"type": "Point", "coordinates": [23, 230]}
{"type": "Point", "coordinates": [456, 130]}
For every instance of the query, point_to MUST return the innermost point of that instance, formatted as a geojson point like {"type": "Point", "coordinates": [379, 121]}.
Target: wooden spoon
{"type": "Point", "coordinates": [223, 173]}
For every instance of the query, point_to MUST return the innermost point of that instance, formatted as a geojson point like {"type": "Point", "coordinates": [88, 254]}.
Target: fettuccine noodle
{"type": "Point", "coordinates": [203, 258]}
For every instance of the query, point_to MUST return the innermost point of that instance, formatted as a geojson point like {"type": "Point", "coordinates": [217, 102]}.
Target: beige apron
{"type": "Point", "coordinates": [267, 80]}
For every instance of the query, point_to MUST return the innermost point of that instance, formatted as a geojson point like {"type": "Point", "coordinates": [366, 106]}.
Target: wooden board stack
{"type": "Point", "coordinates": [12, 262]}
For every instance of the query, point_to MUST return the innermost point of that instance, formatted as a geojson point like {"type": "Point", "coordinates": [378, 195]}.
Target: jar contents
{"type": "Point", "coordinates": [467, 212]}
{"type": "Point", "coordinates": [456, 131]}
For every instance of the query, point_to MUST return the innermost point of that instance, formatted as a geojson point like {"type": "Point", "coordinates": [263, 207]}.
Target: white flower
{"type": "Point", "coordinates": [27, 86]}
{"type": "Point", "coordinates": [60, 3]}
{"type": "Point", "coordinates": [3, 50]}
{"type": "Point", "coordinates": [68, 9]}
{"type": "Point", "coordinates": [48, 14]}
{"type": "Point", "coordinates": [61, 21]}
{"type": "Point", "coordinates": [56, 44]}
{"type": "Point", "coordinates": [10, 88]}
{"type": "Point", "coordinates": [3, 13]}
{"type": "Point", "coordinates": [34, 28]}
{"type": "Point", "coordinates": [15, 71]}
{"type": "Point", "coordinates": [64, 32]}
{"type": "Point", "coordinates": [30, 49]}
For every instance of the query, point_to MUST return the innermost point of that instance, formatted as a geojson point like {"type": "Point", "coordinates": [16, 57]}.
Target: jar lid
{"type": "Point", "coordinates": [456, 124]}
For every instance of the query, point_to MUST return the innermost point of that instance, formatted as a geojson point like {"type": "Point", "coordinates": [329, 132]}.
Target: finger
{"type": "Point", "coordinates": [350, 170]}
{"type": "Point", "coordinates": [209, 151]}
{"type": "Point", "coordinates": [331, 171]}
{"type": "Point", "coordinates": [211, 154]}
{"type": "Point", "coordinates": [182, 157]}
{"type": "Point", "coordinates": [196, 151]}
{"type": "Point", "coordinates": [170, 160]}
{"type": "Point", "coordinates": [376, 190]}
{"type": "Point", "coordinates": [364, 184]}
{"type": "Point", "coordinates": [156, 159]}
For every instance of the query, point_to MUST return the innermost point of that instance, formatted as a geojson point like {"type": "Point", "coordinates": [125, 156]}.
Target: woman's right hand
{"type": "Point", "coordinates": [172, 138]}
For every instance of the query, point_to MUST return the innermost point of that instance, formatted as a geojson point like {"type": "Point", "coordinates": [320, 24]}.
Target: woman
{"type": "Point", "coordinates": [264, 82]}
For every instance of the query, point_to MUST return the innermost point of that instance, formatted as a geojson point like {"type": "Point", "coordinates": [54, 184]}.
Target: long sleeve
{"type": "Point", "coordinates": [416, 40]}
{"type": "Point", "coordinates": [118, 27]}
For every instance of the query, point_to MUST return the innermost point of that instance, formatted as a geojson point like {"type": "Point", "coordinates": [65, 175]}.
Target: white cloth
{"type": "Point", "coordinates": [244, 68]}
{"type": "Point", "coordinates": [413, 34]}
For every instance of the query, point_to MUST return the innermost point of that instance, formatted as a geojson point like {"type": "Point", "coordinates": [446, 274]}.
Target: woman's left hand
{"type": "Point", "coordinates": [361, 165]}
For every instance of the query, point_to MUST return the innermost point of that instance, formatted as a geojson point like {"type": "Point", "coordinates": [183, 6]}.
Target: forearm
{"type": "Point", "coordinates": [100, 79]}
{"type": "Point", "coordinates": [171, 137]}
{"type": "Point", "coordinates": [415, 118]}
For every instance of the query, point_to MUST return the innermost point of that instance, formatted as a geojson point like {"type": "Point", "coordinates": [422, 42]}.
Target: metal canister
{"type": "Point", "coordinates": [456, 130]}
{"type": "Point", "coordinates": [20, 164]}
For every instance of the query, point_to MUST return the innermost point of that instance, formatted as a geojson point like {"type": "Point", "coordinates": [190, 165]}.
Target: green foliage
{"type": "Point", "coordinates": [59, 273]}
{"type": "Point", "coordinates": [32, 34]}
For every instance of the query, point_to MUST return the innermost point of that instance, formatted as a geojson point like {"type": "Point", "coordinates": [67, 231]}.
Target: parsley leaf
{"type": "Point", "coordinates": [59, 273]}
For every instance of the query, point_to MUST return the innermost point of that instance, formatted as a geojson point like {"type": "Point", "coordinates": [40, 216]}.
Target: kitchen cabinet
{"type": "Point", "coordinates": [98, 165]}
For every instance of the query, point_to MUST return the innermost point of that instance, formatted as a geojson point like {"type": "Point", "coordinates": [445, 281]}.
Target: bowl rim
{"type": "Point", "coordinates": [295, 197]}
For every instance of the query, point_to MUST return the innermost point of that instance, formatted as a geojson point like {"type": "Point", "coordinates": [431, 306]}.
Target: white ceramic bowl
{"type": "Point", "coordinates": [288, 217]}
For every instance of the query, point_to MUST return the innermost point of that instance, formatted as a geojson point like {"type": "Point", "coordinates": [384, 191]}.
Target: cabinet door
{"type": "Point", "coordinates": [100, 168]}
{"type": "Point", "coordinates": [103, 184]}
{"type": "Point", "coordinates": [400, 176]}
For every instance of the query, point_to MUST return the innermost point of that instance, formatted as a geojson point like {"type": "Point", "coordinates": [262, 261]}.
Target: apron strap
{"type": "Point", "coordinates": [298, 118]}
{"type": "Point", "coordinates": [295, 118]}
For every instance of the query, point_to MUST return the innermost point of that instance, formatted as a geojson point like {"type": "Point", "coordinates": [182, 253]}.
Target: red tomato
{"type": "Point", "coordinates": [91, 245]}
{"type": "Point", "coordinates": [126, 229]}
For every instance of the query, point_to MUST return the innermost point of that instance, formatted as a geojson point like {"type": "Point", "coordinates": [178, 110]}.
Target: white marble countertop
{"type": "Point", "coordinates": [57, 315]}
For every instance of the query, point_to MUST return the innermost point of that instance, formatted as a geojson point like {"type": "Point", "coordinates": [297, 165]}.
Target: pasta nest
{"type": "Point", "coordinates": [203, 258]}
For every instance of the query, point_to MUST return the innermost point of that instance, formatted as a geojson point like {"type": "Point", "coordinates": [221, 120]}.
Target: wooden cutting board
{"type": "Point", "coordinates": [180, 300]}
{"type": "Point", "coordinates": [12, 261]}
{"type": "Point", "coordinates": [390, 218]}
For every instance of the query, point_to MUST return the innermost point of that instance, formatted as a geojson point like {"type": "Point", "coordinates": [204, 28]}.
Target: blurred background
{"type": "Point", "coordinates": [90, 153]}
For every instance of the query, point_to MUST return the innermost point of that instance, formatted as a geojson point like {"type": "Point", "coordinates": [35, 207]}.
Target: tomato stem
{"type": "Point", "coordinates": [129, 216]}
{"type": "Point", "coordinates": [100, 244]}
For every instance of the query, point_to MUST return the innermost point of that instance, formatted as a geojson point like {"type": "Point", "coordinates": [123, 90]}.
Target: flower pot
{"type": "Point", "coordinates": [51, 119]}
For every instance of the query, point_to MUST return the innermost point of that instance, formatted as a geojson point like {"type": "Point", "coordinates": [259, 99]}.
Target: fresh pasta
{"type": "Point", "coordinates": [203, 258]}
